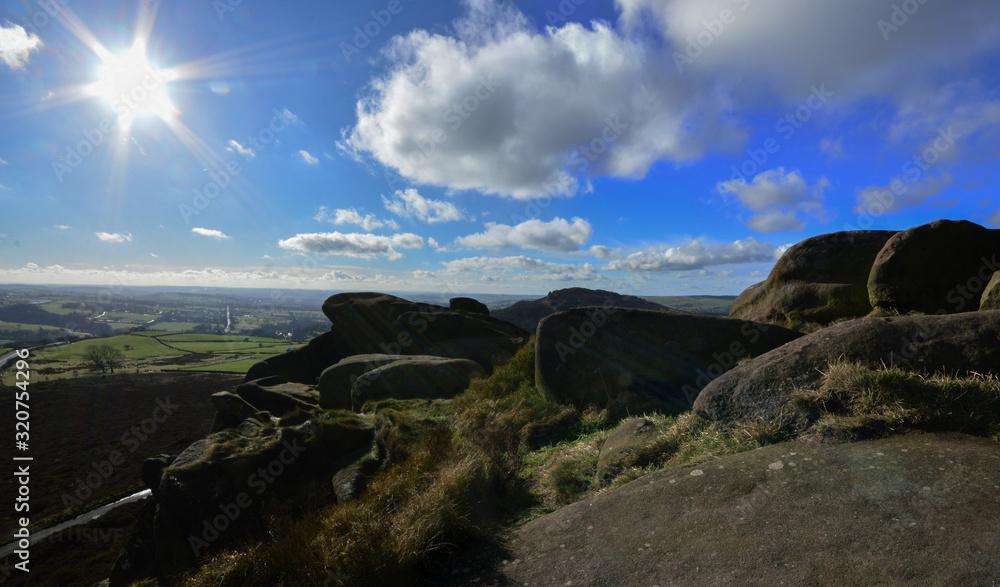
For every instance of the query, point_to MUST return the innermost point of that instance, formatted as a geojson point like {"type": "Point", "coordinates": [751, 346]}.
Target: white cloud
{"type": "Point", "coordinates": [62, 226]}
{"type": "Point", "coordinates": [518, 267]}
{"type": "Point", "coordinates": [216, 234]}
{"type": "Point", "coordinates": [535, 111]}
{"type": "Point", "coordinates": [4, 188]}
{"type": "Point", "coordinates": [16, 45]}
{"type": "Point", "coordinates": [365, 246]}
{"type": "Point", "coordinates": [2, 162]}
{"type": "Point", "coordinates": [343, 216]}
{"type": "Point", "coordinates": [410, 204]}
{"type": "Point", "coordinates": [556, 235]}
{"type": "Point", "coordinates": [288, 117]}
{"type": "Point", "coordinates": [776, 196]}
{"type": "Point", "coordinates": [154, 255]}
{"type": "Point", "coordinates": [696, 254]}
{"type": "Point", "coordinates": [790, 45]}
{"type": "Point", "coordinates": [833, 149]}
{"type": "Point", "coordinates": [901, 193]}
{"type": "Point", "coordinates": [247, 152]}
{"type": "Point", "coordinates": [114, 237]}
{"type": "Point", "coordinates": [776, 221]}
{"type": "Point", "coordinates": [308, 158]}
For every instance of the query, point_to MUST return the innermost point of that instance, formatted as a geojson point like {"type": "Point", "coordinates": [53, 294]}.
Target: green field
{"type": "Point", "coordinates": [150, 351]}
{"type": "Point", "coordinates": [161, 327]}
{"type": "Point", "coordinates": [31, 327]}
{"type": "Point", "coordinates": [700, 304]}
{"type": "Point", "coordinates": [241, 366]}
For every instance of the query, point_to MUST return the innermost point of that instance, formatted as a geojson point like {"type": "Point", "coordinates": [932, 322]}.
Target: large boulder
{"type": "Point", "coordinates": [910, 510]}
{"type": "Point", "coordinates": [663, 359]}
{"type": "Point", "coordinates": [369, 323]}
{"type": "Point", "coordinates": [936, 268]}
{"type": "Point", "coordinates": [761, 389]}
{"type": "Point", "coordinates": [337, 380]}
{"type": "Point", "coordinates": [416, 377]}
{"type": "Point", "coordinates": [818, 281]}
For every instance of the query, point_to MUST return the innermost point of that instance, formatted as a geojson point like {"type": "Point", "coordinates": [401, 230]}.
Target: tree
{"type": "Point", "coordinates": [104, 357]}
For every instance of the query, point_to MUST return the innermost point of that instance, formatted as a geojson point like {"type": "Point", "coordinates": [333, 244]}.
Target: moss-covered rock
{"type": "Point", "coordinates": [816, 282]}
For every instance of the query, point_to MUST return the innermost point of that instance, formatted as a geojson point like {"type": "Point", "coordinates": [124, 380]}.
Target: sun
{"type": "Point", "coordinates": [133, 87]}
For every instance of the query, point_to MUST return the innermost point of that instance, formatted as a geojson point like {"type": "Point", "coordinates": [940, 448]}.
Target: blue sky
{"type": "Point", "coordinates": [654, 147]}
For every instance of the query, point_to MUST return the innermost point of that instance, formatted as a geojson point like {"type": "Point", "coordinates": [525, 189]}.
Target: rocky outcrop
{"type": "Point", "coordinates": [761, 389]}
{"type": "Point", "coordinates": [528, 313]}
{"type": "Point", "coordinates": [213, 493]}
{"type": "Point", "coordinates": [625, 447]}
{"type": "Point", "coordinates": [936, 268]}
{"type": "Point", "coordinates": [374, 323]}
{"type": "Point", "coordinates": [913, 508]}
{"type": "Point", "coordinates": [659, 359]}
{"type": "Point", "coordinates": [817, 281]}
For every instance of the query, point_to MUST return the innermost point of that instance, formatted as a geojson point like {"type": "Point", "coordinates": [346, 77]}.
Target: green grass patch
{"type": "Point", "coordinates": [161, 327]}
{"type": "Point", "coordinates": [198, 337]}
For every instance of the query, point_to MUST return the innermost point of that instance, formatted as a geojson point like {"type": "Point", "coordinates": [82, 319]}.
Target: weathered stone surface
{"type": "Point", "coordinates": [761, 389]}
{"type": "Point", "coordinates": [592, 355]}
{"type": "Point", "coordinates": [469, 305]}
{"type": "Point", "coordinates": [213, 492]}
{"type": "Point", "coordinates": [415, 378]}
{"type": "Point", "coordinates": [337, 381]}
{"type": "Point", "coordinates": [369, 323]}
{"type": "Point", "coordinates": [991, 295]}
{"type": "Point", "coordinates": [917, 510]}
{"type": "Point", "coordinates": [278, 397]}
{"type": "Point", "coordinates": [940, 267]}
{"type": "Point", "coordinates": [623, 445]}
{"type": "Point", "coordinates": [231, 410]}
{"type": "Point", "coordinates": [817, 281]}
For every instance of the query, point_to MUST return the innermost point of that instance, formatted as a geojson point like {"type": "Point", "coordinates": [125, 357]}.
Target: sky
{"type": "Point", "coordinates": [649, 147]}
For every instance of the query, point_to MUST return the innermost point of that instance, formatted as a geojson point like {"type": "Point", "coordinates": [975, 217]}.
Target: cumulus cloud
{"type": "Point", "coordinates": [518, 267]}
{"type": "Point", "coordinates": [114, 237]}
{"type": "Point", "coordinates": [308, 157]}
{"type": "Point", "coordinates": [343, 216]}
{"type": "Point", "coordinates": [696, 254]}
{"type": "Point", "coordinates": [365, 246]}
{"type": "Point", "coordinates": [499, 107]}
{"type": "Point", "coordinates": [16, 45]}
{"type": "Point", "coordinates": [776, 196]}
{"type": "Point", "coordinates": [410, 204]}
{"type": "Point", "coordinates": [556, 235]}
{"type": "Point", "coordinates": [850, 45]}
{"type": "Point", "coordinates": [247, 152]}
{"type": "Point", "coordinates": [216, 234]}
{"type": "Point", "coordinates": [901, 193]}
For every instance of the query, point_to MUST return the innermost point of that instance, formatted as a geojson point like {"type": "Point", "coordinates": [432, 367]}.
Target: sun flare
{"type": "Point", "coordinates": [133, 87]}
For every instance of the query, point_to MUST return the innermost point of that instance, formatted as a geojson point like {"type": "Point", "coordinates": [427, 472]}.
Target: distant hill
{"type": "Point", "coordinates": [528, 313]}
{"type": "Point", "coordinates": [697, 304]}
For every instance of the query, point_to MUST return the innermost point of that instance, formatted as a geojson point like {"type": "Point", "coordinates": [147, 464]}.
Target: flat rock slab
{"type": "Point", "coordinates": [913, 510]}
